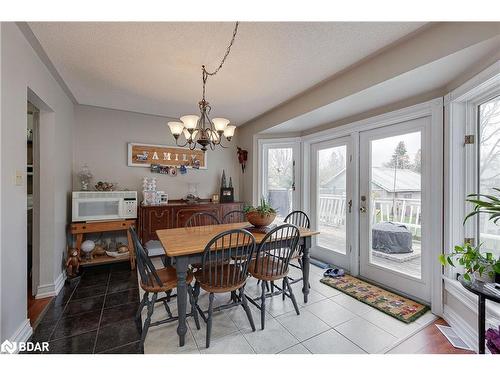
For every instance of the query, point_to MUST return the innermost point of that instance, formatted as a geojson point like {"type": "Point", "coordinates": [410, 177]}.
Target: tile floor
{"type": "Point", "coordinates": [331, 322]}
{"type": "Point", "coordinates": [96, 316]}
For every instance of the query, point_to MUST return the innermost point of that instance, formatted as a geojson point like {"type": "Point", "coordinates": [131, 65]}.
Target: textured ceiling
{"type": "Point", "coordinates": [155, 68]}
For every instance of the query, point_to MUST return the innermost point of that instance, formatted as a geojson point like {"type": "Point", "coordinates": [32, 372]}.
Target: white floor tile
{"type": "Point", "coordinates": [163, 339]}
{"type": "Point", "coordinates": [321, 288]}
{"type": "Point", "coordinates": [302, 326]}
{"type": "Point", "coordinates": [331, 342]}
{"type": "Point", "coordinates": [425, 319]}
{"type": "Point", "coordinates": [222, 325]}
{"type": "Point", "coordinates": [330, 312]}
{"type": "Point", "coordinates": [296, 349]}
{"type": "Point", "coordinates": [273, 339]}
{"type": "Point", "coordinates": [351, 304]}
{"type": "Point", "coordinates": [366, 335]}
{"type": "Point", "coordinates": [234, 343]}
{"type": "Point", "coordinates": [390, 324]}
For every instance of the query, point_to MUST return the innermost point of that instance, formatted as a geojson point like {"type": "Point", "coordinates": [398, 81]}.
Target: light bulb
{"type": "Point", "coordinates": [190, 121]}
{"type": "Point", "coordinates": [220, 124]}
{"type": "Point", "coordinates": [176, 128]}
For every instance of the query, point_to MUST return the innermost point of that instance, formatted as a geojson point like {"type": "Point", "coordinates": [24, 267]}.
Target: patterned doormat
{"type": "Point", "coordinates": [398, 307]}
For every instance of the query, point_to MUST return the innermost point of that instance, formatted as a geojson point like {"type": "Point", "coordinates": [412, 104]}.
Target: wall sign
{"type": "Point", "coordinates": [143, 155]}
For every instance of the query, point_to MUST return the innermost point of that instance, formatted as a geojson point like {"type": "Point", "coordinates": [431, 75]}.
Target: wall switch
{"type": "Point", "coordinates": [19, 178]}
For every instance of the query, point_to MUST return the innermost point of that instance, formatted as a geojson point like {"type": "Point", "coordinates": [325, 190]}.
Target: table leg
{"type": "Point", "coordinates": [181, 265]}
{"type": "Point", "coordinates": [305, 267]}
{"type": "Point", "coordinates": [131, 250]}
{"type": "Point", "coordinates": [79, 240]}
{"type": "Point", "coordinates": [481, 323]}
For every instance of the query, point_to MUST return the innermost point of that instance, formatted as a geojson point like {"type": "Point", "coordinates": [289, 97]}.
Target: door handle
{"type": "Point", "coordinates": [362, 210]}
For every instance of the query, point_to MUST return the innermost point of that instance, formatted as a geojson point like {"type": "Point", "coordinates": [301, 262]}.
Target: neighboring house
{"type": "Point", "coordinates": [406, 186]}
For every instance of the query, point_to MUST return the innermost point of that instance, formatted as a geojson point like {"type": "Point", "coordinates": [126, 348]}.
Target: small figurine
{"type": "Point", "coordinates": [223, 180]}
{"type": "Point", "coordinates": [121, 248]}
{"type": "Point", "coordinates": [98, 251]}
{"type": "Point", "coordinates": [73, 263]}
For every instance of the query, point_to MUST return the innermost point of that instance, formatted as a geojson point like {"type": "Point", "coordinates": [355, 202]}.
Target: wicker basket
{"type": "Point", "coordinates": [259, 220]}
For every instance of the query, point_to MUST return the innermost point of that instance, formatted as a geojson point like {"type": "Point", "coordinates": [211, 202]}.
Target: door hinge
{"type": "Point", "coordinates": [469, 139]}
{"type": "Point", "coordinates": [350, 205]}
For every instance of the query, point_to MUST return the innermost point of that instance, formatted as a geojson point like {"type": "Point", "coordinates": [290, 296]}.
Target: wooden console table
{"type": "Point", "coordinates": [79, 229]}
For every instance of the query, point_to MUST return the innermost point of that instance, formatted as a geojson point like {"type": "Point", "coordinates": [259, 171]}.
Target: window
{"type": "Point", "coordinates": [488, 174]}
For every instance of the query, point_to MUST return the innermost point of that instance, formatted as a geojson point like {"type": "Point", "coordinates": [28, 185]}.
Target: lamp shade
{"type": "Point", "coordinates": [229, 131]}
{"type": "Point", "coordinates": [188, 135]}
{"type": "Point", "coordinates": [220, 123]}
{"type": "Point", "coordinates": [190, 121]}
{"type": "Point", "coordinates": [176, 127]}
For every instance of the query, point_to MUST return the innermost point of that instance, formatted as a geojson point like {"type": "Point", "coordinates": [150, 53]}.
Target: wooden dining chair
{"type": "Point", "coordinates": [154, 281]}
{"type": "Point", "coordinates": [224, 268]}
{"type": "Point", "coordinates": [300, 219]}
{"type": "Point", "coordinates": [199, 219]}
{"type": "Point", "coordinates": [271, 263]}
{"type": "Point", "coordinates": [235, 216]}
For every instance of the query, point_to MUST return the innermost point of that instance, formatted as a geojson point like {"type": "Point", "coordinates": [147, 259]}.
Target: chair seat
{"type": "Point", "coordinates": [168, 277]}
{"type": "Point", "coordinates": [226, 278]}
{"type": "Point", "coordinates": [267, 269]}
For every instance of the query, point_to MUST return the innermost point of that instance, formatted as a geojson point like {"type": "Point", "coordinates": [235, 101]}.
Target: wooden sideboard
{"type": "Point", "coordinates": [175, 215]}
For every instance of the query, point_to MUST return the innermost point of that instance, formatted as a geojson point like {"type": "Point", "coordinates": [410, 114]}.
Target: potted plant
{"type": "Point", "coordinates": [482, 266]}
{"type": "Point", "coordinates": [260, 216]}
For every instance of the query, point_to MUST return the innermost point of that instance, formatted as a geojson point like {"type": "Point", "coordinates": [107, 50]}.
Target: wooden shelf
{"type": "Point", "coordinates": [104, 260]}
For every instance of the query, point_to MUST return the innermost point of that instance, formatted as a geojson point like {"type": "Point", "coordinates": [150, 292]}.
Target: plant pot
{"type": "Point", "coordinates": [259, 220]}
{"type": "Point", "coordinates": [485, 278]}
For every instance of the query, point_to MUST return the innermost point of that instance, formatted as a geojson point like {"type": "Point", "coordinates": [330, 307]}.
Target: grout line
{"type": "Point", "coordinates": [102, 311]}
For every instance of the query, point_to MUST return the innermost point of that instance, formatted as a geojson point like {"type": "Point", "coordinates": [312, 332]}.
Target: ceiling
{"type": "Point", "coordinates": [422, 80]}
{"type": "Point", "coordinates": [155, 68]}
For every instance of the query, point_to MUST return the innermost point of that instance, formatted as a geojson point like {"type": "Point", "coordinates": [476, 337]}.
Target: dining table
{"type": "Point", "coordinates": [185, 246]}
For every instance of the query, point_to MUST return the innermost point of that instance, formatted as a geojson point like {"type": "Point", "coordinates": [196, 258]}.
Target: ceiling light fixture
{"type": "Point", "coordinates": [201, 130]}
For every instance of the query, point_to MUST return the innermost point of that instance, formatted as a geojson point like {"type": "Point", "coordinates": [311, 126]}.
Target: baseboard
{"type": "Point", "coordinates": [22, 334]}
{"type": "Point", "coordinates": [51, 290]}
{"type": "Point", "coordinates": [465, 331]}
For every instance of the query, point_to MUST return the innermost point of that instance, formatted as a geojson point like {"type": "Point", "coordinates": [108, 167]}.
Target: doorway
{"type": "Point", "coordinates": [371, 200]}
{"type": "Point", "coordinates": [394, 207]}
{"type": "Point", "coordinates": [332, 200]}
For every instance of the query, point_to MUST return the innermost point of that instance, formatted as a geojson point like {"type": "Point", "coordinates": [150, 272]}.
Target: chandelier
{"type": "Point", "coordinates": [201, 130]}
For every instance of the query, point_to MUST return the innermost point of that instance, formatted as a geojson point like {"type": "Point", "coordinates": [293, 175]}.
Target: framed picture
{"type": "Point", "coordinates": [143, 155]}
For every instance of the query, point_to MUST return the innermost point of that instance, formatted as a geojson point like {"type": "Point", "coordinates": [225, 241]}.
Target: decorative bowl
{"type": "Point", "coordinates": [258, 220]}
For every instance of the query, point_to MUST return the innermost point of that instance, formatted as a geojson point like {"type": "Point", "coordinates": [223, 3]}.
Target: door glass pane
{"type": "Point", "coordinates": [489, 169]}
{"type": "Point", "coordinates": [331, 209]}
{"type": "Point", "coordinates": [280, 179]}
{"type": "Point", "coordinates": [395, 203]}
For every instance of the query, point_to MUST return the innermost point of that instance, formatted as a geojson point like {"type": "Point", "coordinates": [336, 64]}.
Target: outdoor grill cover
{"type": "Point", "coordinates": [391, 238]}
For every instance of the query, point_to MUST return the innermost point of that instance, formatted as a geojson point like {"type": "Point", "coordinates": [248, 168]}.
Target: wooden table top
{"type": "Point", "coordinates": [186, 241]}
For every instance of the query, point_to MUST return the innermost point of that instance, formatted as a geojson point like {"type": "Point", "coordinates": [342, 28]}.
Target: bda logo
{"type": "Point", "coordinates": [8, 347]}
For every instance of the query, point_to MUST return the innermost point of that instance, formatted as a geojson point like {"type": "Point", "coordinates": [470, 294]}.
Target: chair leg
{"type": "Point", "coordinates": [194, 310]}
{"type": "Point", "coordinates": [272, 286]}
{"type": "Point", "coordinates": [283, 288]}
{"type": "Point", "coordinates": [244, 303]}
{"type": "Point", "coordinates": [267, 285]}
{"type": "Point", "coordinates": [169, 293]}
{"type": "Point", "coordinates": [141, 306]}
{"type": "Point", "coordinates": [147, 322]}
{"type": "Point", "coordinates": [263, 305]}
{"type": "Point", "coordinates": [209, 318]}
{"type": "Point", "coordinates": [292, 297]}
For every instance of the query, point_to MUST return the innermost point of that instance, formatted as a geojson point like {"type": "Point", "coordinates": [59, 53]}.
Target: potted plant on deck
{"type": "Point", "coordinates": [483, 266]}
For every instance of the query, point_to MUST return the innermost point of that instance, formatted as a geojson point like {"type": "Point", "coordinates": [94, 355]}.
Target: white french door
{"type": "Point", "coordinates": [394, 206]}
{"type": "Point", "coordinates": [279, 183]}
{"type": "Point", "coordinates": [331, 200]}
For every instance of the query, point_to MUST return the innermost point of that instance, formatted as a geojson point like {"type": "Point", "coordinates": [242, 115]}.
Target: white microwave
{"type": "Point", "coordinates": [103, 205]}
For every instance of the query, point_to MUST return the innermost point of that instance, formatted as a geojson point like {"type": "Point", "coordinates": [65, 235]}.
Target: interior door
{"type": "Point", "coordinates": [331, 201]}
{"type": "Point", "coordinates": [394, 208]}
{"type": "Point", "coordinates": [280, 184]}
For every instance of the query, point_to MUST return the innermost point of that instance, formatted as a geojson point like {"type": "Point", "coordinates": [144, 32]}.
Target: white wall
{"type": "Point", "coordinates": [101, 137]}
{"type": "Point", "coordinates": [21, 69]}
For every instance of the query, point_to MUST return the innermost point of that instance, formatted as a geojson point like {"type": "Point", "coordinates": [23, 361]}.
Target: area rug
{"type": "Point", "coordinates": [398, 307]}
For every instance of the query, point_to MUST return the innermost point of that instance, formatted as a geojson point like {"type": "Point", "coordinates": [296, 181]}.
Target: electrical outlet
{"type": "Point", "coordinates": [19, 178]}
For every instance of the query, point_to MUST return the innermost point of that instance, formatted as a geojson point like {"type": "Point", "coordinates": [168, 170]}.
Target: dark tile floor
{"type": "Point", "coordinates": [95, 315]}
